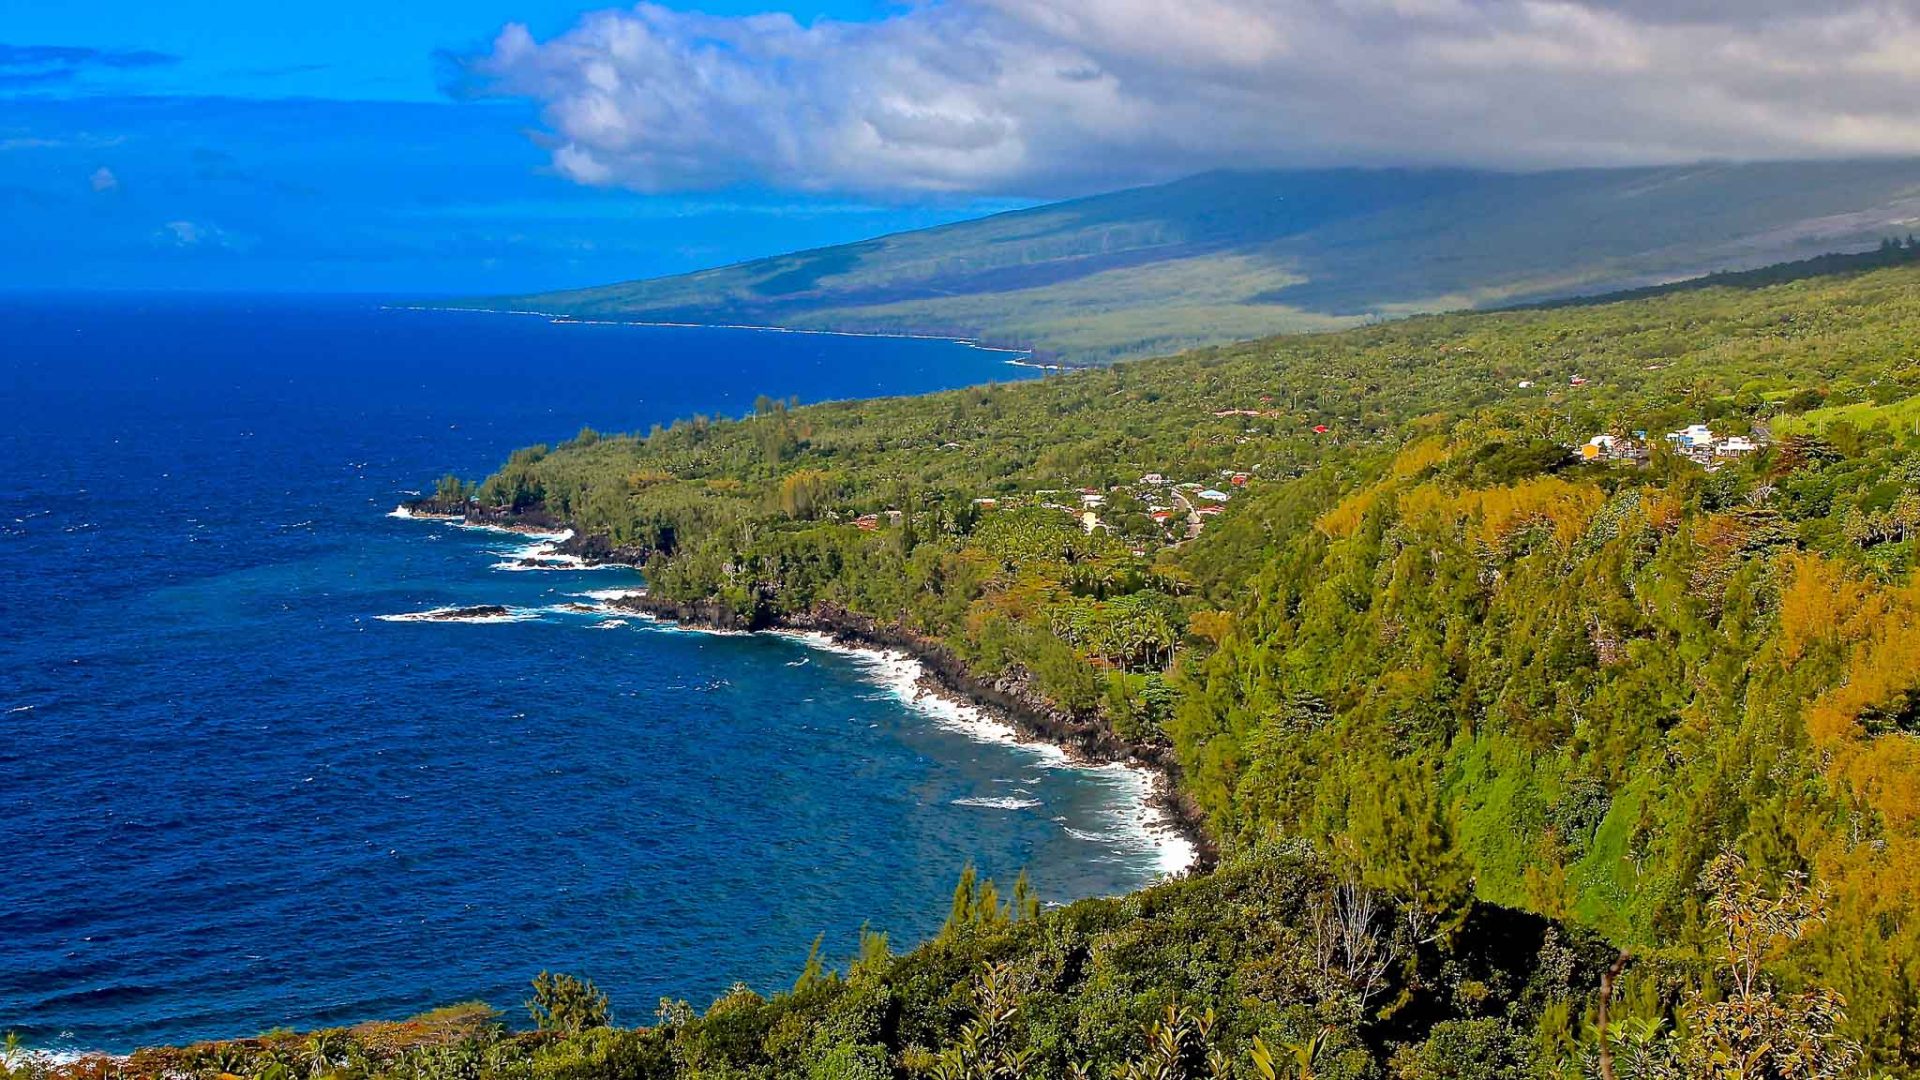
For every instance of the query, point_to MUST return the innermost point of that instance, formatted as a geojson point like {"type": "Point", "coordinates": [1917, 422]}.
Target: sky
{"type": "Point", "coordinates": [488, 146]}
{"type": "Point", "coordinates": [232, 145]}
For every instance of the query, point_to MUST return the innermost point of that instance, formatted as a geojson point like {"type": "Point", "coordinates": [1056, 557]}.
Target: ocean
{"type": "Point", "coordinates": [241, 791]}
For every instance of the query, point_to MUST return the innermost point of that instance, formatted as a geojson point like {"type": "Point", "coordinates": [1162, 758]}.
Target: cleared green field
{"type": "Point", "coordinates": [1900, 419]}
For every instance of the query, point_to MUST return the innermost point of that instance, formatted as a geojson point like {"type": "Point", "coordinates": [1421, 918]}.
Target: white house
{"type": "Point", "coordinates": [1736, 444]}
{"type": "Point", "coordinates": [1692, 437]}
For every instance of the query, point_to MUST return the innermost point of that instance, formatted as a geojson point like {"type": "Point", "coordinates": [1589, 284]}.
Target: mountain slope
{"type": "Point", "coordinates": [1235, 255]}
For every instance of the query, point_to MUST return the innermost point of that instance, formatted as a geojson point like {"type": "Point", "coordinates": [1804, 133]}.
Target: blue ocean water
{"type": "Point", "coordinates": [235, 798]}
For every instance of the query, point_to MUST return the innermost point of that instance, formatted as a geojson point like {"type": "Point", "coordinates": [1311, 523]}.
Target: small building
{"type": "Point", "coordinates": [867, 522]}
{"type": "Point", "coordinates": [1090, 501]}
{"type": "Point", "coordinates": [1216, 496]}
{"type": "Point", "coordinates": [1735, 445]}
{"type": "Point", "coordinates": [1161, 516]}
{"type": "Point", "coordinates": [1577, 380]}
{"type": "Point", "coordinates": [1153, 478]}
{"type": "Point", "coordinates": [1320, 429]}
{"type": "Point", "coordinates": [1692, 437]}
{"type": "Point", "coordinates": [1238, 480]}
{"type": "Point", "coordinates": [1208, 511]}
{"type": "Point", "coordinates": [1600, 446]}
{"type": "Point", "coordinates": [986, 504]}
{"type": "Point", "coordinates": [1525, 384]}
{"type": "Point", "coordinates": [1090, 521]}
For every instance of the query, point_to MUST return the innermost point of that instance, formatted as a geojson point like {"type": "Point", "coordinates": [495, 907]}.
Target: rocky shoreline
{"type": "Point", "coordinates": [1010, 698]}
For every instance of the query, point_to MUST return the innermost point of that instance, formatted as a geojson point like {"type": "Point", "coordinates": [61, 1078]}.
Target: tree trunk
{"type": "Point", "coordinates": [1606, 999]}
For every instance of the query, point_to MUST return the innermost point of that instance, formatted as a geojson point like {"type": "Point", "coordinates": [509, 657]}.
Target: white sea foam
{"type": "Point", "coordinates": [1000, 802]}
{"type": "Point", "coordinates": [408, 513]}
{"type": "Point", "coordinates": [1135, 824]}
{"type": "Point", "coordinates": [575, 607]}
{"type": "Point", "coordinates": [898, 675]}
{"type": "Point", "coordinates": [53, 1059]}
{"type": "Point", "coordinates": [446, 614]}
{"type": "Point", "coordinates": [608, 596]}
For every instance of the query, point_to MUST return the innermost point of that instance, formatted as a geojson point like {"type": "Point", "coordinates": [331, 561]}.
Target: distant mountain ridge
{"type": "Point", "coordinates": [1226, 256]}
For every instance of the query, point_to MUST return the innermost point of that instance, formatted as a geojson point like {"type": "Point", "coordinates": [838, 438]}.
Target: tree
{"type": "Point", "coordinates": [985, 1049]}
{"type": "Point", "coordinates": [565, 1004]}
{"type": "Point", "coordinates": [977, 904]}
{"type": "Point", "coordinates": [803, 493]}
{"type": "Point", "coordinates": [814, 973]}
{"type": "Point", "coordinates": [1758, 1032]}
{"type": "Point", "coordinates": [451, 491]}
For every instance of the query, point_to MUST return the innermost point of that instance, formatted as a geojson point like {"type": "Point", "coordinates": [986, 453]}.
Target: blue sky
{"type": "Point", "coordinates": [488, 146]}
{"type": "Point", "coordinates": [225, 144]}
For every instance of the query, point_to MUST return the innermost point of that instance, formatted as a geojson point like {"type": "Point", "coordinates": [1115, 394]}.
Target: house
{"type": "Point", "coordinates": [1091, 501]}
{"type": "Point", "coordinates": [1208, 511]}
{"type": "Point", "coordinates": [1692, 437]}
{"type": "Point", "coordinates": [1735, 445]}
{"type": "Point", "coordinates": [1238, 480]}
{"type": "Point", "coordinates": [1090, 521]}
{"type": "Point", "coordinates": [1525, 384]}
{"type": "Point", "coordinates": [986, 504]}
{"type": "Point", "coordinates": [1598, 447]}
{"type": "Point", "coordinates": [1319, 429]}
{"type": "Point", "coordinates": [867, 522]}
{"type": "Point", "coordinates": [1161, 516]}
{"type": "Point", "coordinates": [1153, 478]}
{"type": "Point", "coordinates": [1216, 496]}
{"type": "Point", "coordinates": [1577, 380]}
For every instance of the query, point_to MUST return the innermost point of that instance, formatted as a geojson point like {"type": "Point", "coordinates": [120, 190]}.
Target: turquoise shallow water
{"type": "Point", "coordinates": [237, 798]}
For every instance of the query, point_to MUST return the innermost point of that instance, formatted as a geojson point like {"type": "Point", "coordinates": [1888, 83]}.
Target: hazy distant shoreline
{"type": "Point", "coordinates": [561, 318]}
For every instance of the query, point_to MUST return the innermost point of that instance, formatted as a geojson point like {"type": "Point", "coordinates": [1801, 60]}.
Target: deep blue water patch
{"type": "Point", "coordinates": [235, 798]}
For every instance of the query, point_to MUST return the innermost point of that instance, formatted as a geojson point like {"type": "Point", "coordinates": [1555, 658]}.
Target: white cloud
{"type": "Point", "coordinates": [103, 180]}
{"type": "Point", "coordinates": [1041, 95]}
{"type": "Point", "coordinates": [194, 234]}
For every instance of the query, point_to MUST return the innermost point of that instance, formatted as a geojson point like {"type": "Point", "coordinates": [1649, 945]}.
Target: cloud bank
{"type": "Point", "coordinates": [1061, 95]}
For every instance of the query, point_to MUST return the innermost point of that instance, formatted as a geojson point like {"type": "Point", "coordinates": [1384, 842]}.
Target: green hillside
{"type": "Point", "coordinates": [1522, 766]}
{"type": "Point", "coordinates": [1230, 256]}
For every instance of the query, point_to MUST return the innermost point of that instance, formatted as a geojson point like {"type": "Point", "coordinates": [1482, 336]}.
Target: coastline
{"type": "Point", "coordinates": [561, 318]}
{"type": "Point", "coordinates": [1009, 702]}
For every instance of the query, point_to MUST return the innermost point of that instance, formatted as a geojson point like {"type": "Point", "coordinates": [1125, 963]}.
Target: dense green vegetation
{"type": "Point", "coordinates": [1425, 638]}
{"type": "Point", "coordinates": [1229, 256]}
{"type": "Point", "coordinates": [1521, 766]}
